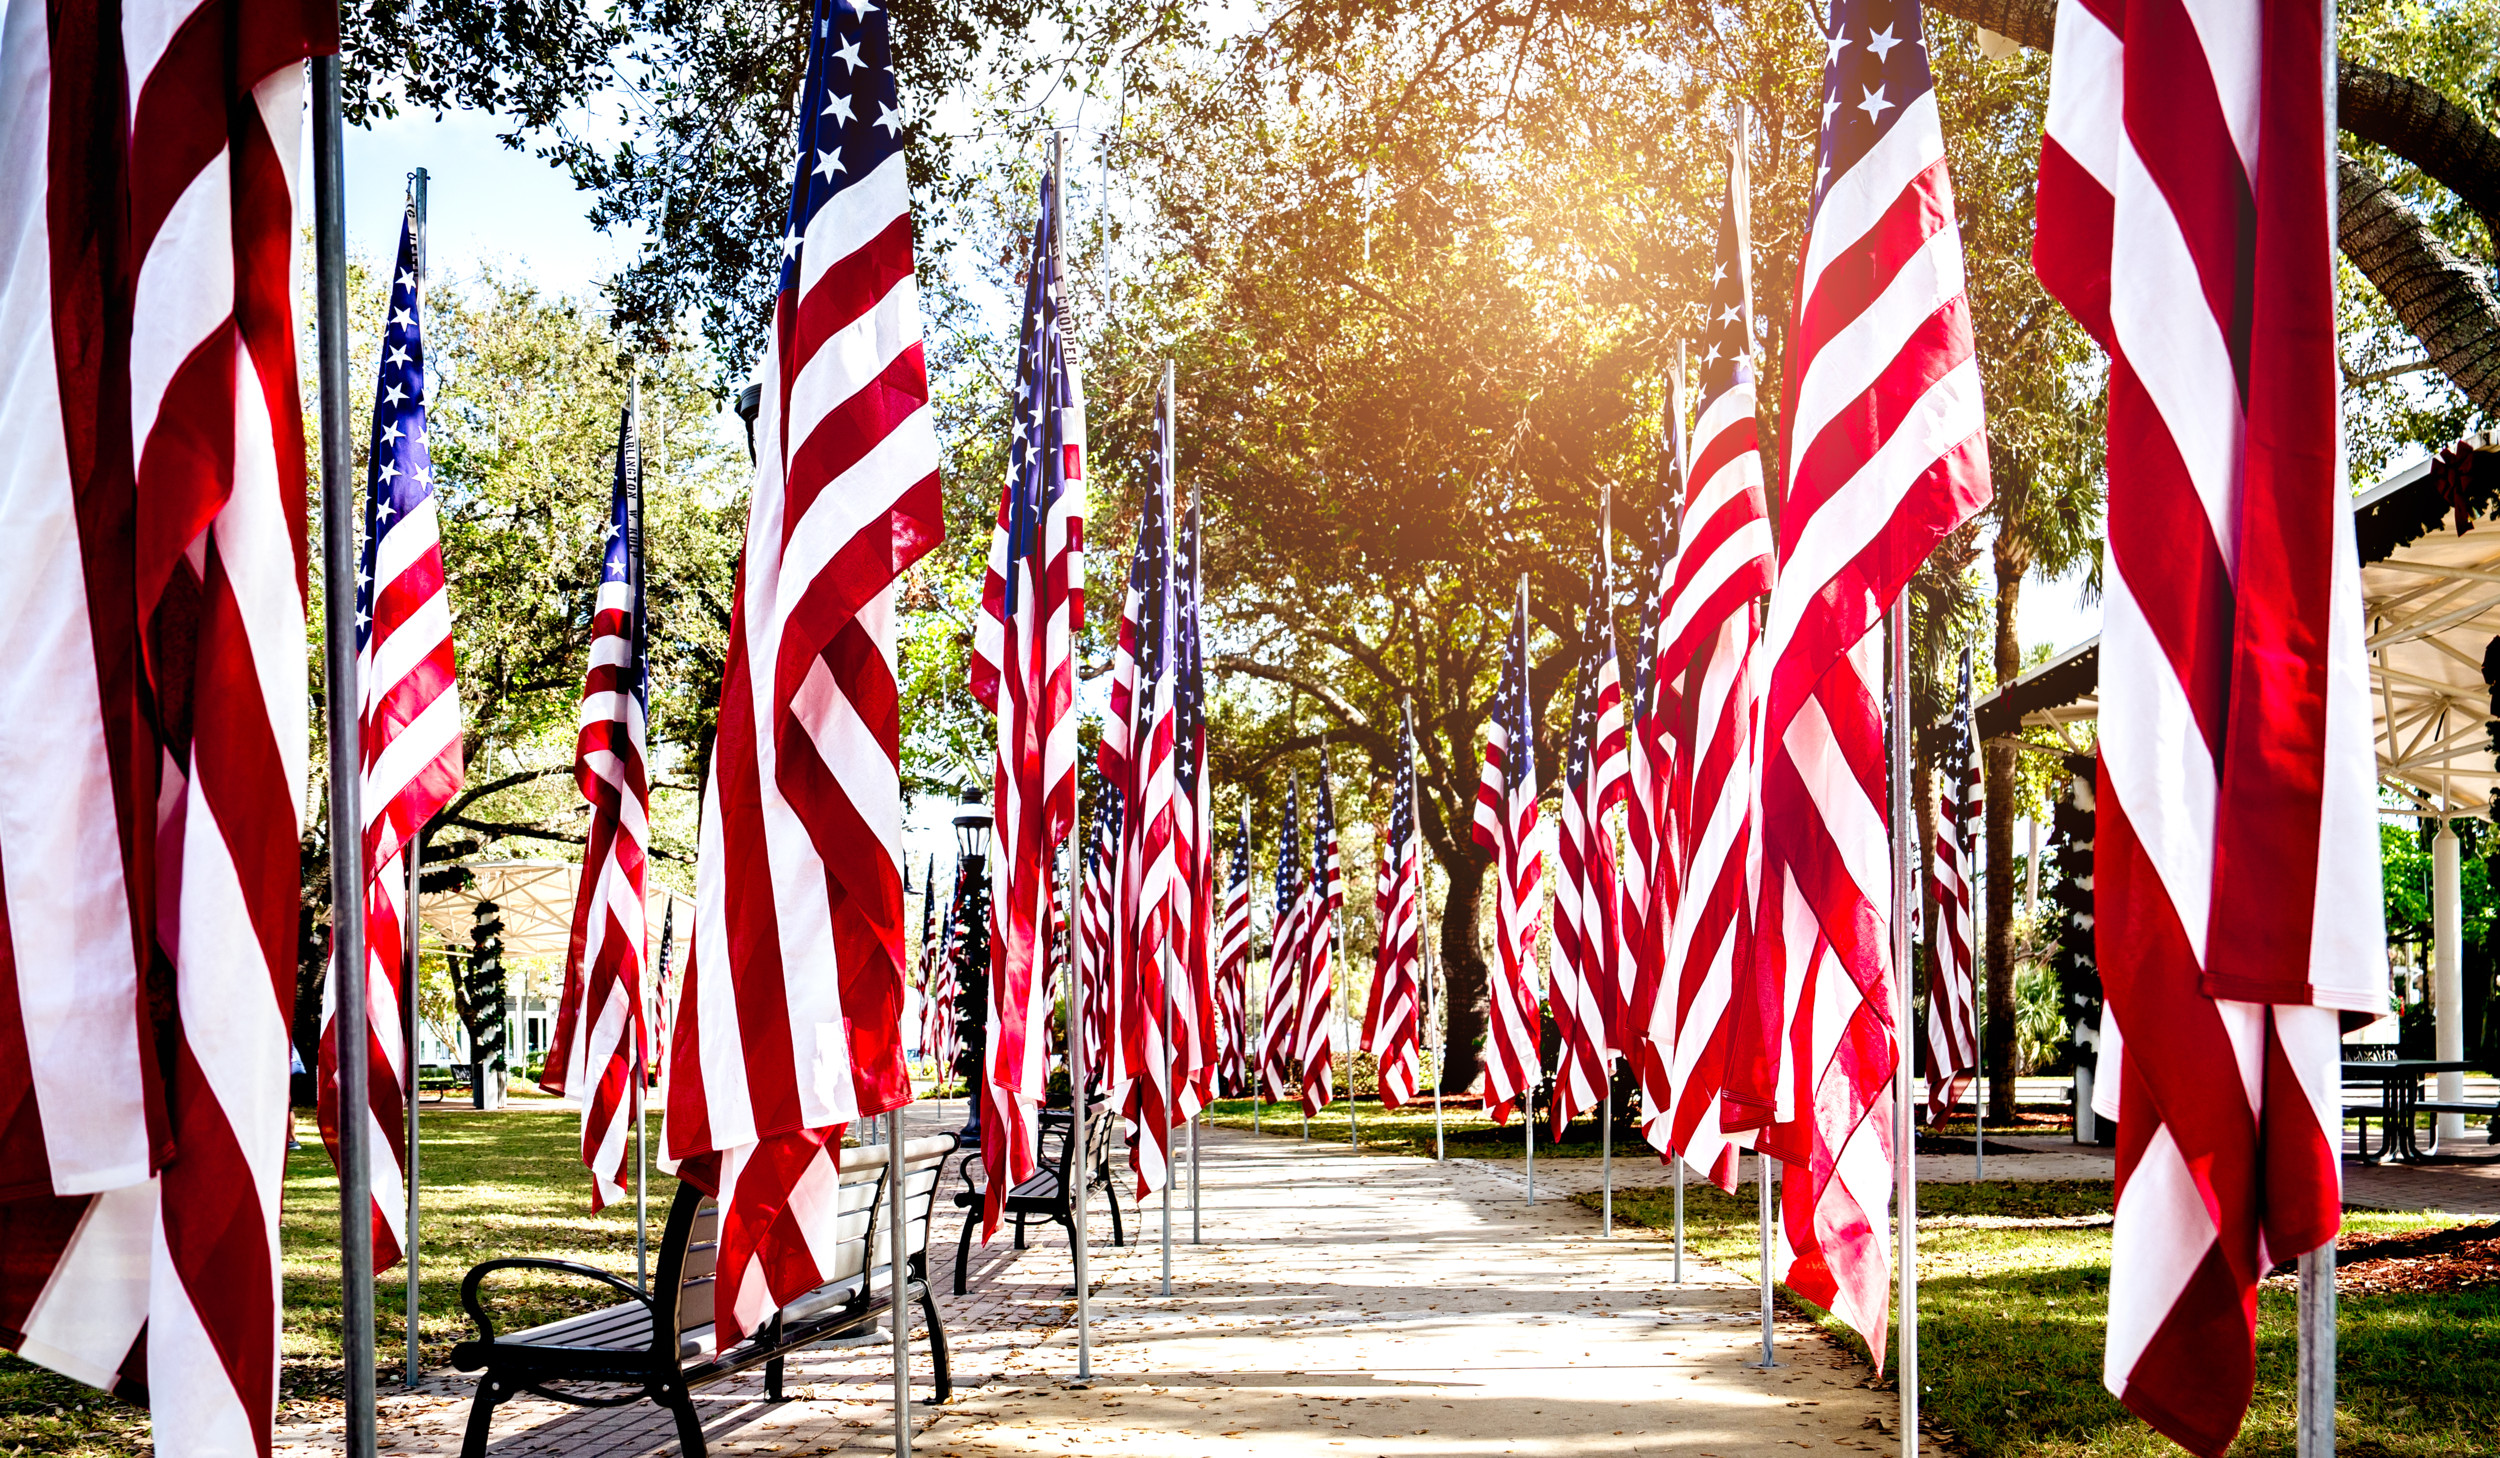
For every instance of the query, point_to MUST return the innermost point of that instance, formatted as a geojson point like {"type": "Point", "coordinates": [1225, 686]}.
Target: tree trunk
{"type": "Point", "coordinates": [1464, 974]}
{"type": "Point", "coordinates": [1998, 1056]}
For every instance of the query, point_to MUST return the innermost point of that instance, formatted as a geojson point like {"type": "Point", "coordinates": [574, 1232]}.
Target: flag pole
{"type": "Point", "coordinates": [1423, 922]}
{"type": "Point", "coordinates": [642, 1036]}
{"type": "Point", "coordinates": [1677, 1160]}
{"type": "Point", "coordinates": [2313, 1431]}
{"type": "Point", "coordinates": [1765, 1170]}
{"type": "Point", "coordinates": [347, 927]}
{"type": "Point", "coordinates": [898, 1277]}
{"type": "Point", "coordinates": [408, 946]}
{"type": "Point", "coordinates": [1171, 964]}
{"type": "Point", "coordinates": [1606, 1092]}
{"type": "Point", "coordinates": [1527, 718]}
{"type": "Point", "coordinates": [1080, 1106]}
{"type": "Point", "coordinates": [1905, 1203]}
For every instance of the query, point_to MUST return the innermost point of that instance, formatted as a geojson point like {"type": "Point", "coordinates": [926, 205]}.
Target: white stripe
{"type": "Point", "coordinates": [866, 208]}
{"type": "Point", "coordinates": [1860, 196]}
{"type": "Point", "coordinates": [177, 303]}
{"type": "Point", "coordinates": [255, 541]}
{"type": "Point", "coordinates": [405, 541]}
{"type": "Point", "coordinates": [60, 852]}
{"type": "Point", "coordinates": [2155, 758]}
{"type": "Point", "coordinates": [432, 734]}
{"type": "Point", "coordinates": [2223, 28]}
{"type": "Point", "coordinates": [2087, 94]}
{"type": "Point", "coordinates": [2160, 1236]}
{"type": "Point", "coordinates": [96, 1299]}
{"type": "Point", "coordinates": [1848, 364]}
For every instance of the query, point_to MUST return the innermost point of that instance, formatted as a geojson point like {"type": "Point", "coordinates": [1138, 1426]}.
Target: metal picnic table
{"type": "Point", "coordinates": [2399, 1082]}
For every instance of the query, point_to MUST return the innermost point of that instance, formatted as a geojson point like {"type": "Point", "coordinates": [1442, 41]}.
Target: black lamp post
{"type": "Point", "coordinates": [972, 951]}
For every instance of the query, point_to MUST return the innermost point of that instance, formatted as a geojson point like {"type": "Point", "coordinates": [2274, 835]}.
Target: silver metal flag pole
{"type": "Point", "coordinates": [408, 946]}
{"type": "Point", "coordinates": [898, 1281]}
{"type": "Point", "coordinates": [1606, 1086]}
{"type": "Point", "coordinates": [347, 923]}
{"type": "Point", "coordinates": [1906, 1125]}
{"type": "Point", "coordinates": [1171, 964]}
{"type": "Point", "coordinates": [642, 1052]}
{"type": "Point", "coordinates": [1527, 1096]}
{"type": "Point", "coordinates": [1080, 1106]}
{"type": "Point", "coordinates": [1423, 919]}
{"type": "Point", "coordinates": [1766, 1171]}
{"type": "Point", "coordinates": [1678, 1161]}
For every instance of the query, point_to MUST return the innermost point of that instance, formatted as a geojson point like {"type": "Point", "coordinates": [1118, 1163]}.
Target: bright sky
{"type": "Point", "coordinates": [485, 203]}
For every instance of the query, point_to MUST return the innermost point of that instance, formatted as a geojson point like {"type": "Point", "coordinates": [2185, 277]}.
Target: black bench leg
{"type": "Point", "coordinates": [772, 1380]}
{"type": "Point", "coordinates": [1019, 1232]}
{"type": "Point", "coordinates": [689, 1427]}
{"type": "Point", "coordinates": [963, 1249]}
{"type": "Point", "coordinates": [937, 1343]}
{"type": "Point", "coordinates": [1111, 1193]}
{"type": "Point", "coordinates": [481, 1418]}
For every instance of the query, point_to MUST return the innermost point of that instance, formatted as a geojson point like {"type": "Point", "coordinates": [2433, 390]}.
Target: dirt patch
{"type": "Point", "coordinates": [2457, 1258]}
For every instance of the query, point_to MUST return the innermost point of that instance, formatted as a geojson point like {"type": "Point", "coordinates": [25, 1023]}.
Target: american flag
{"type": "Point", "coordinates": [1323, 896]}
{"type": "Point", "coordinates": [790, 1013]}
{"type": "Point", "coordinates": [1148, 913]}
{"type": "Point", "coordinates": [1392, 1015]}
{"type": "Point", "coordinates": [1106, 1061]}
{"type": "Point", "coordinates": [1706, 644]}
{"type": "Point", "coordinates": [939, 987]}
{"type": "Point", "coordinates": [599, 1034]}
{"type": "Point", "coordinates": [1280, 1022]}
{"type": "Point", "coordinates": [2236, 886]}
{"type": "Point", "coordinates": [1193, 993]}
{"type": "Point", "coordinates": [1651, 858]}
{"type": "Point", "coordinates": [1887, 452]}
{"type": "Point", "coordinates": [1588, 936]}
{"type": "Point", "coordinates": [1506, 825]}
{"type": "Point", "coordinates": [1024, 670]}
{"type": "Point", "coordinates": [1232, 974]}
{"type": "Point", "coordinates": [1952, 988]}
{"type": "Point", "coordinates": [152, 718]}
{"type": "Point", "coordinates": [408, 729]}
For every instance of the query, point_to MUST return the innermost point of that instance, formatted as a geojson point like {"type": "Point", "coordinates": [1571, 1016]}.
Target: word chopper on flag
{"type": "Point", "coordinates": [1953, 986]}
{"type": "Point", "coordinates": [1588, 932]}
{"type": "Point", "coordinates": [408, 731]}
{"type": "Point", "coordinates": [600, 1042]}
{"type": "Point", "coordinates": [2236, 869]}
{"type": "Point", "coordinates": [153, 717]}
{"type": "Point", "coordinates": [1887, 452]}
{"type": "Point", "coordinates": [1506, 825]}
{"type": "Point", "coordinates": [789, 1020]}
{"type": "Point", "coordinates": [1706, 647]}
{"type": "Point", "coordinates": [1392, 1015]}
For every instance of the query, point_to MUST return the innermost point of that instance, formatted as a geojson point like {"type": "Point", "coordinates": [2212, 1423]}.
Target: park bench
{"type": "Point", "coordinates": [660, 1343]}
{"type": "Point", "coordinates": [1044, 1196]}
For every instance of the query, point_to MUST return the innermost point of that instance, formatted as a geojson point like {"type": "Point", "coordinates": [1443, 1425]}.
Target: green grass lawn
{"type": "Point", "coordinates": [2014, 1288]}
{"type": "Point", "coordinates": [507, 1183]}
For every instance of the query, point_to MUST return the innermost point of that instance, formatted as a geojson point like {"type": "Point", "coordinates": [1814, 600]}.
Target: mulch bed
{"type": "Point", "coordinates": [2458, 1258]}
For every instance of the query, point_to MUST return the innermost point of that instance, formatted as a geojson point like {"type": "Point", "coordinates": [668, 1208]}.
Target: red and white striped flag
{"type": "Point", "coordinates": [1105, 1062]}
{"type": "Point", "coordinates": [1506, 825]}
{"type": "Point", "coordinates": [1193, 820]}
{"type": "Point", "coordinates": [408, 731]}
{"type": "Point", "coordinates": [1887, 452]}
{"type": "Point", "coordinates": [1232, 975]}
{"type": "Point", "coordinates": [1706, 647]}
{"type": "Point", "coordinates": [790, 1011]}
{"type": "Point", "coordinates": [939, 987]}
{"type": "Point", "coordinates": [1323, 898]}
{"type": "Point", "coordinates": [1651, 866]}
{"type": "Point", "coordinates": [1024, 671]}
{"type": "Point", "coordinates": [600, 1039]}
{"type": "Point", "coordinates": [1280, 1022]}
{"type": "Point", "coordinates": [1392, 1016]}
{"type": "Point", "coordinates": [1149, 911]}
{"type": "Point", "coordinates": [2186, 198]}
{"type": "Point", "coordinates": [1588, 936]}
{"type": "Point", "coordinates": [1953, 984]}
{"type": "Point", "coordinates": [153, 734]}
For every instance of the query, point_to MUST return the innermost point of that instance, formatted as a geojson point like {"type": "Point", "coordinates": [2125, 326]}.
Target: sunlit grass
{"type": "Point", "coordinates": [2013, 1297]}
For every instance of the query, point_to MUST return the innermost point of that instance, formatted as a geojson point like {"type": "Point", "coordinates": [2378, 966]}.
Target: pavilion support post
{"type": "Point", "coordinates": [2448, 973]}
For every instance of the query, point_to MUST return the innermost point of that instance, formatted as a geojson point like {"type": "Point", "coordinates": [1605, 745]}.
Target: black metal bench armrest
{"type": "Point", "coordinates": [483, 1269]}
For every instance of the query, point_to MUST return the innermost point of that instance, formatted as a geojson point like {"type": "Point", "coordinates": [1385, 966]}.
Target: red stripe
{"type": "Point", "coordinates": [843, 436]}
{"type": "Point", "coordinates": [2176, 129]}
{"type": "Point", "coordinates": [1857, 275]}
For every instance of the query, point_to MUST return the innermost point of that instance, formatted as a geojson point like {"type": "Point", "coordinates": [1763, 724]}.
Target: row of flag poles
{"type": "Point", "coordinates": [1747, 955]}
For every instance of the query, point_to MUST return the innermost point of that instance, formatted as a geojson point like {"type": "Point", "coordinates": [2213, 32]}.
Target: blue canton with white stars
{"type": "Point", "coordinates": [1510, 706]}
{"type": "Point", "coordinates": [1150, 579]}
{"type": "Point", "coordinates": [1037, 454]}
{"type": "Point", "coordinates": [1402, 810]}
{"type": "Point", "coordinates": [1289, 854]}
{"type": "Point", "coordinates": [1189, 727]}
{"type": "Point", "coordinates": [1727, 335]}
{"type": "Point", "coordinates": [850, 115]}
{"type": "Point", "coordinates": [403, 469]}
{"type": "Point", "coordinates": [617, 555]}
{"type": "Point", "coordinates": [1874, 67]}
{"type": "Point", "coordinates": [1598, 652]}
